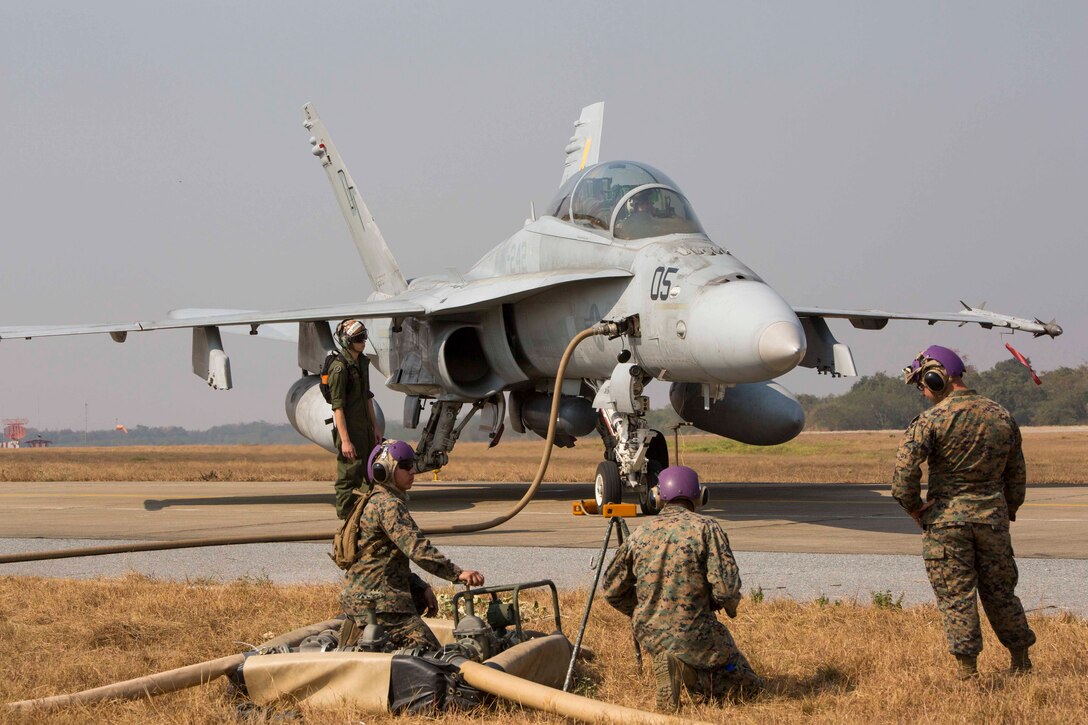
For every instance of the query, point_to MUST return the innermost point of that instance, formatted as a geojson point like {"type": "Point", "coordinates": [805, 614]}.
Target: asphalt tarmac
{"type": "Point", "coordinates": [840, 541]}
{"type": "Point", "coordinates": [772, 517]}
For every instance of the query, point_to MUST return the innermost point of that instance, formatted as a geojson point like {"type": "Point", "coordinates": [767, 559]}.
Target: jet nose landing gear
{"type": "Point", "coordinates": [614, 474]}
{"type": "Point", "coordinates": [633, 453]}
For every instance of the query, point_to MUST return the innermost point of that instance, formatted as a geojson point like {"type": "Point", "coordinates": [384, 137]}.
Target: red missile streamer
{"type": "Point", "coordinates": [1024, 361]}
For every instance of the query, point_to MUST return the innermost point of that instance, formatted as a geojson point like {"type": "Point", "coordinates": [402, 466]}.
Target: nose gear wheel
{"type": "Point", "coordinates": [606, 486]}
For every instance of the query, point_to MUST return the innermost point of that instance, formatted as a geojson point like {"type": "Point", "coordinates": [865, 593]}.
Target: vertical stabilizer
{"type": "Point", "coordinates": [381, 266]}
{"type": "Point", "coordinates": [584, 147]}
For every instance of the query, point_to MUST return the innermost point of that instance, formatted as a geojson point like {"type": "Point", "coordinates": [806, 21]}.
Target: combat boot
{"type": "Point", "coordinates": [668, 674]}
{"type": "Point", "coordinates": [1020, 663]}
{"type": "Point", "coordinates": [968, 666]}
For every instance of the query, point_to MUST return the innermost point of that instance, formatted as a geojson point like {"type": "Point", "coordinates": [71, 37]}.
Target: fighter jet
{"type": "Point", "coordinates": [619, 243]}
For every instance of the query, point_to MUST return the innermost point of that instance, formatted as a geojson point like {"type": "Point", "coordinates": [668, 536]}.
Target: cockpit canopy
{"type": "Point", "coordinates": [627, 199]}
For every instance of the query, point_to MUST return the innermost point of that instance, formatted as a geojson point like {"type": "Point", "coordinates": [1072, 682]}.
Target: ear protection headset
{"type": "Point", "coordinates": [933, 376]}
{"type": "Point", "coordinates": [701, 499]}
{"type": "Point", "coordinates": [935, 368]}
{"type": "Point", "coordinates": [350, 331]}
{"type": "Point", "coordinates": [678, 482]}
{"type": "Point", "coordinates": [385, 458]}
{"type": "Point", "coordinates": [926, 371]}
{"type": "Point", "coordinates": [381, 464]}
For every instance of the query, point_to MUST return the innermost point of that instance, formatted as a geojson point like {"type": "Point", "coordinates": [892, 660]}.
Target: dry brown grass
{"type": "Point", "coordinates": [1054, 456]}
{"type": "Point", "coordinates": [824, 663]}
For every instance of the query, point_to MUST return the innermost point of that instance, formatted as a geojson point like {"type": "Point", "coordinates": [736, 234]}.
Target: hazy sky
{"type": "Point", "coordinates": [900, 156]}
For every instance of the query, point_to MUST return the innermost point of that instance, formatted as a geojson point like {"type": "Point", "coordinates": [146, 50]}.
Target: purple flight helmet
{"type": "Point", "coordinates": [389, 454]}
{"type": "Point", "coordinates": [949, 360]}
{"type": "Point", "coordinates": [680, 482]}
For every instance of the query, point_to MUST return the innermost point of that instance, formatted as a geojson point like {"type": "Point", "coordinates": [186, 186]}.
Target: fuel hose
{"type": "Point", "coordinates": [548, 699]}
{"type": "Point", "coordinates": [169, 681]}
{"type": "Point", "coordinates": [492, 680]}
{"type": "Point", "coordinates": [602, 328]}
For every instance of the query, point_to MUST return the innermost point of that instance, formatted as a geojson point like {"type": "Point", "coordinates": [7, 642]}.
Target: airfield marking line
{"type": "Point", "coordinates": [1060, 521]}
{"type": "Point", "coordinates": [884, 502]}
{"type": "Point", "coordinates": [887, 500]}
{"type": "Point", "coordinates": [73, 495]}
{"type": "Point", "coordinates": [885, 517]}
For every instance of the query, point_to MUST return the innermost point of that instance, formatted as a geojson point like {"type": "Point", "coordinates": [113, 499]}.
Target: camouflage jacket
{"type": "Point", "coordinates": [976, 464]}
{"type": "Point", "coordinates": [670, 577]}
{"type": "Point", "coordinates": [388, 538]}
{"type": "Point", "coordinates": [349, 389]}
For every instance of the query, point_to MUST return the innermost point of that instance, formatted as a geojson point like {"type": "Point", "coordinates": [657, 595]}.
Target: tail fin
{"type": "Point", "coordinates": [584, 147]}
{"type": "Point", "coordinates": [381, 266]}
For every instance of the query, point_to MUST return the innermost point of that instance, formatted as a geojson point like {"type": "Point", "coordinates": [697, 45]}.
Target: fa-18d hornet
{"type": "Point", "coordinates": [619, 243]}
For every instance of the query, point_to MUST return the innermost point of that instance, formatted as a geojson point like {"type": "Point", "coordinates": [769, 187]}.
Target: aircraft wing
{"type": "Point", "coordinates": [224, 318]}
{"type": "Point", "coordinates": [584, 147]}
{"type": "Point", "coordinates": [488, 291]}
{"type": "Point", "coordinates": [828, 355]}
{"type": "Point", "coordinates": [877, 319]}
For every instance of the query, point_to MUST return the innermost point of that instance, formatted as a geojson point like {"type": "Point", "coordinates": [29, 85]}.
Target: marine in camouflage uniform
{"type": "Point", "coordinates": [670, 576]}
{"type": "Point", "coordinates": [388, 539]}
{"type": "Point", "coordinates": [976, 484]}
{"type": "Point", "coordinates": [349, 391]}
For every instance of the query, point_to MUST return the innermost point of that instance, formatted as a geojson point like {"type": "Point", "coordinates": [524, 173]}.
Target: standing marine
{"type": "Point", "coordinates": [388, 538]}
{"type": "Point", "coordinates": [976, 484]}
{"type": "Point", "coordinates": [354, 430]}
{"type": "Point", "coordinates": [670, 576]}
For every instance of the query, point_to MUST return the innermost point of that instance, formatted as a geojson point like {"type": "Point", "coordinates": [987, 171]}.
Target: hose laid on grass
{"type": "Point", "coordinates": [549, 699]}
{"type": "Point", "coordinates": [603, 328]}
{"type": "Point", "coordinates": [487, 679]}
{"type": "Point", "coordinates": [169, 681]}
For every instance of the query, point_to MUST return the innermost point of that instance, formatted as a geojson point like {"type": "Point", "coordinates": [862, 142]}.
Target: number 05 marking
{"type": "Point", "coordinates": [660, 285]}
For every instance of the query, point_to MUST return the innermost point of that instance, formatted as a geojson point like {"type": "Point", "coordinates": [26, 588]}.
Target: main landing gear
{"type": "Point", "coordinates": [442, 430]}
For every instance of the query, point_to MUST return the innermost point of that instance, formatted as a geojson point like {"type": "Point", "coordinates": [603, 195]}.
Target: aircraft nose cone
{"type": "Point", "coordinates": [781, 347]}
{"type": "Point", "coordinates": [743, 332]}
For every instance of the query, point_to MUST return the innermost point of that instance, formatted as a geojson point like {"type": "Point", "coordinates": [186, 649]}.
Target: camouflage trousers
{"type": "Point", "coordinates": [408, 630]}
{"type": "Point", "coordinates": [403, 630]}
{"type": "Point", "coordinates": [964, 559]}
{"type": "Point", "coordinates": [672, 675]}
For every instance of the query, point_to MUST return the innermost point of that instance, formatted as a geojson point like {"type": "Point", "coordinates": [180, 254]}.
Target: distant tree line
{"type": "Point", "coordinates": [875, 402]}
{"type": "Point", "coordinates": [878, 402]}
{"type": "Point", "coordinates": [257, 432]}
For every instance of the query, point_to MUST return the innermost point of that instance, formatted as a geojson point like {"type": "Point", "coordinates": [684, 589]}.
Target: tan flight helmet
{"type": "Point", "coordinates": [349, 331]}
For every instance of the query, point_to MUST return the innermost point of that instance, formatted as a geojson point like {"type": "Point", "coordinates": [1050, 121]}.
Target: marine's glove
{"type": "Point", "coordinates": [731, 609]}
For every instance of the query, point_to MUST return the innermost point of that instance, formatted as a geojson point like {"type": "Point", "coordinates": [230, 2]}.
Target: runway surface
{"type": "Point", "coordinates": [772, 517]}
{"type": "Point", "coordinates": [840, 541]}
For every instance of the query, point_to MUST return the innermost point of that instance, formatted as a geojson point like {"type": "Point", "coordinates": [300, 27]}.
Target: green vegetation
{"type": "Point", "coordinates": [256, 433]}
{"type": "Point", "coordinates": [875, 402]}
{"type": "Point", "coordinates": [885, 600]}
{"type": "Point", "coordinates": [880, 402]}
{"type": "Point", "coordinates": [725, 445]}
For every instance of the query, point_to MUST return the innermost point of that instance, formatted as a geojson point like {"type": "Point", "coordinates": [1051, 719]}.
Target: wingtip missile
{"type": "Point", "coordinates": [1051, 329]}
{"type": "Point", "coordinates": [1036, 327]}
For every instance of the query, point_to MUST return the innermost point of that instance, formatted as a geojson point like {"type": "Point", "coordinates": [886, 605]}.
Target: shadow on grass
{"type": "Point", "coordinates": [826, 679]}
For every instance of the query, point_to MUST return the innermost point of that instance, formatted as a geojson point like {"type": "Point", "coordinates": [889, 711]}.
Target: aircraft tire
{"type": "Point", "coordinates": [659, 450]}
{"type": "Point", "coordinates": [645, 504]}
{"type": "Point", "coordinates": [658, 456]}
{"type": "Point", "coordinates": [606, 486]}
